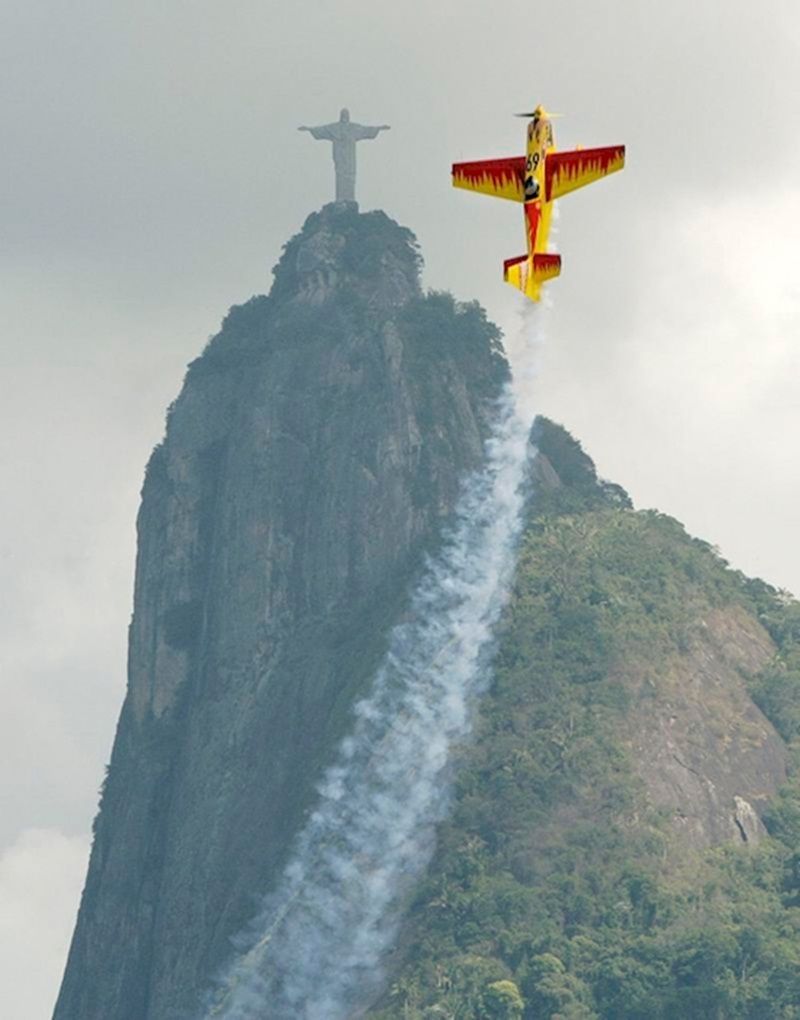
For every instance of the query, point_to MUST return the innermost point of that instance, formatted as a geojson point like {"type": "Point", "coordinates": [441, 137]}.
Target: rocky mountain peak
{"type": "Point", "coordinates": [341, 251]}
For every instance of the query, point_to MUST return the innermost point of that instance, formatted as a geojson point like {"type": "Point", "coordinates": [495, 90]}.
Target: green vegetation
{"type": "Point", "coordinates": [358, 247]}
{"type": "Point", "coordinates": [555, 892]}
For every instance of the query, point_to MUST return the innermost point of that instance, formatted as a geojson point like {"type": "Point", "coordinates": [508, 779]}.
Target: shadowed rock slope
{"type": "Point", "coordinates": [624, 842]}
{"type": "Point", "coordinates": [315, 449]}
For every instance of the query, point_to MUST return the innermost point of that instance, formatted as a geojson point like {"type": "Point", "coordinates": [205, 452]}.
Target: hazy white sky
{"type": "Point", "coordinates": [150, 173]}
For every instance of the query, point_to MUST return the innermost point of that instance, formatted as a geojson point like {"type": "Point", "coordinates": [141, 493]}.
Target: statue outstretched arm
{"type": "Point", "coordinates": [365, 132]}
{"type": "Point", "coordinates": [323, 132]}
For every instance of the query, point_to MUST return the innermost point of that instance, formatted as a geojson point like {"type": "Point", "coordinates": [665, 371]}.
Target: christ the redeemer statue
{"type": "Point", "coordinates": [344, 134]}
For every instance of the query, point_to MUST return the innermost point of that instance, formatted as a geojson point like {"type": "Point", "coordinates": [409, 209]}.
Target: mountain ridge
{"type": "Point", "coordinates": [623, 840]}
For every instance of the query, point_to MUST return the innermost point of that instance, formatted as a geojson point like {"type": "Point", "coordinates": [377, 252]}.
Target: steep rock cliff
{"type": "Point", "coordinates": [315, 450]}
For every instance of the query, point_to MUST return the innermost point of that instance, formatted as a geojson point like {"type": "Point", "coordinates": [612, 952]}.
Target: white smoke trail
{"type": "Point", "coordinates": [314, 951]}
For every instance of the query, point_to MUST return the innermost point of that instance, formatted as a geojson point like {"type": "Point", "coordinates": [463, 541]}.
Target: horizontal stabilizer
{"type": "Point", "coordinates": [502, 178]}
{"type": "Point", "coordinates": [528, 274]}
{"type": "Point", "coordinates": [568, 171]}
{"type": "Point", "coordinates": [546, 266]}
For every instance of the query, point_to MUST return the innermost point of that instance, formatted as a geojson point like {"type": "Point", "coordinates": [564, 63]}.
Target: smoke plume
{"type": "Point", "coordinates": [314, 951]}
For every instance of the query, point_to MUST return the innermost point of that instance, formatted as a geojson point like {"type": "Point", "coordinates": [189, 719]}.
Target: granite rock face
{"type": "Point", "coordinates": [311, 458]}
{"type": "Point", "coordinates": [707, 758]}
{"type": "Point", "coordinates": [707, 755]}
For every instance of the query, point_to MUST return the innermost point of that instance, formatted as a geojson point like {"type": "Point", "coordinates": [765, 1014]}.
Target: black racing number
{"type": "Point", "coordinates": [533, 162]}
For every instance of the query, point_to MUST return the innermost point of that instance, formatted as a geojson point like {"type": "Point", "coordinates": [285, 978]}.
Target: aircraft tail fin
{"type": "Point", "coordinates": [528, 274]}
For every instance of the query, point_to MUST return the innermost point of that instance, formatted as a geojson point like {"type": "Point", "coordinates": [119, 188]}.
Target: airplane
{"type": "Point", "coordinates": [537, 180]}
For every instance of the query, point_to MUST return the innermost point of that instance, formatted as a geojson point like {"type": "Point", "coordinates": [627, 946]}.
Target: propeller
{"type": "Point", "coordinates": [535, 113]}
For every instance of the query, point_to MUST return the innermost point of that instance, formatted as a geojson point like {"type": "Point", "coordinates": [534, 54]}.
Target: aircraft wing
{"type": "Point", "coordinates": [503, 178]}
{"type": "Point", "coordinates": [568, 171]}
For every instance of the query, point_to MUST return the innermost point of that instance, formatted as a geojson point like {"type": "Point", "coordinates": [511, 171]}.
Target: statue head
{"type": "Point", "coordinates": [344, 116]}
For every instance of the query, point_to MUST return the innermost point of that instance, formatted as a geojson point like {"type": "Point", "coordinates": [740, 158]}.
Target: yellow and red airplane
{"type": "Point", "coordinates": [537, 180]}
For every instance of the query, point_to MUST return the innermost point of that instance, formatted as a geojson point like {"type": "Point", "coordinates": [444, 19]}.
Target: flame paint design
{"type": "Point", "coordinates": [546, 266]}
{"type": "Point", "coordinates": [501, 178]}
{"type": "Point", "coordinates": [528, 272]}
{"type": "Point", "coordinates": [518, 273]}
{"type": "Point", "coordinates": [533, 217]}
{"type": "Point", "coordinates": [543, 175]}
{"type": "Point", "coordinates": [568, 171]}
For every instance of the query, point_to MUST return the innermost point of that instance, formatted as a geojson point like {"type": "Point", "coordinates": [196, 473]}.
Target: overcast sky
{"type": "Point", "coordinates": [151, 171]}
